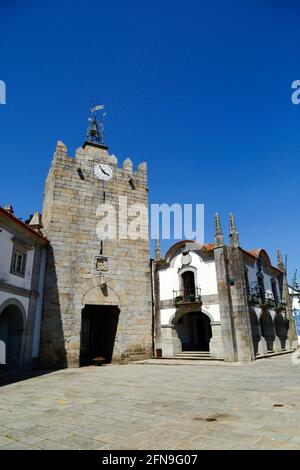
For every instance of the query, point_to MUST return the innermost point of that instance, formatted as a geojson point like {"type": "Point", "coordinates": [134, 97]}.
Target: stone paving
{"type": "Point", "coordinates": [159, 405]}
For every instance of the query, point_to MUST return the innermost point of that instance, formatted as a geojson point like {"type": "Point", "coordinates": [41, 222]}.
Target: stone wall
{"type": "Point", "coordinates": [72, 196]}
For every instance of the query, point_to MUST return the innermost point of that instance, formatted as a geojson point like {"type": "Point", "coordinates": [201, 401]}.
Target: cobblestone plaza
{"type": "Point", "coordinates": [157, 404]}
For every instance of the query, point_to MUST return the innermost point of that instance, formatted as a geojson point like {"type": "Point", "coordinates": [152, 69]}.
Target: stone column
{"type": "Point", "coordinates": [156, 299]}
{"type": "Point", "coordinates": [227, 327]}
{"type": "Point", "coordinates": [216, 349]}
{"type": "Point", "coordinates": [292, 336]}
{"type": "Point", "coordinates": [277, 344]}
{"type": "Point", "coordinates": [171, 344]}
{"type": "Point", "coordinates": [239, 298]}
{"type": "Point", "coordinates": [262, 347]}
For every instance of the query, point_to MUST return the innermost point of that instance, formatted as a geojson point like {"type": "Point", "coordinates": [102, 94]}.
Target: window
{"type": "Point", "coordinates": [274, 290]}
{"type": "Point", "coordinates": [246, 280]}
{"type": "Point", "coordinates": [188, 282]}
{"type": "Point", "coordinates": [18, 262]}
{"type": "Point", "coordinates": [261, 286]}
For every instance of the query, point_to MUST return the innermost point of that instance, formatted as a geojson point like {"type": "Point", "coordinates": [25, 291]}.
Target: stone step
{"type": "Point", "coordinates": [193, 355]}
{"type": "Point", "coordinates": [192, 358]}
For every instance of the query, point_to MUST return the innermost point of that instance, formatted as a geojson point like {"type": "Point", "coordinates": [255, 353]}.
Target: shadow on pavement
{"type": "Point", "coordinates": [11, 376]}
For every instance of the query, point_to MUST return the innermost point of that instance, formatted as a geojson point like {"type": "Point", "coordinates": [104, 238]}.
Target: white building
{"type": "Point", "coordinates": [295, 300]}
{"type": "Point", "coordinates": [22, 268]}
{"type": "Point", "coordinates": [221, 301]}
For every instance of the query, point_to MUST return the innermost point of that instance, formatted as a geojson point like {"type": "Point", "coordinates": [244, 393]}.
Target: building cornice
{"type": "Point", "coordinates": [6, 287]}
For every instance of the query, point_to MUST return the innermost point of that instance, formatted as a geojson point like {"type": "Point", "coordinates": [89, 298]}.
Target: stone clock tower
{"type": "Point", "coordinates": [97, 300]}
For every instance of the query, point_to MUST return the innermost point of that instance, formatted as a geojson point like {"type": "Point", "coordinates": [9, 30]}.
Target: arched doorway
{"type": "Point", "coordinates": [11, 331]}
{"type": "Point", "coordinates": [268, 330]}
{"type": "Point", "coordinates": [99, 325]}
{"type": "Point", "coordinates": [194, 331]}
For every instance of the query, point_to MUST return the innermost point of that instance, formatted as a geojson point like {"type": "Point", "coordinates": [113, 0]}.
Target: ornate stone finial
{"type": "Point", "coordinates": [157, 247]}
{"type": "Point", "coordinates": [219, 237]}
{"type": "Point", "coordinates": [295, 282]}
{"type": "Point", "coordinates": [36, 222]}
{"type": "Point", "coordinates": [9, 209]}
{"type": "Point", "coordinates": [95, 132]}
{"type": "Point", "coordinates": [233, 233]}
{"type": "Point", "coordinates": [280, 263]}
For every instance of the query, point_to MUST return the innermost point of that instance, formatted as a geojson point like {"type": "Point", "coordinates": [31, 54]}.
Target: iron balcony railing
{"type": "Point", "coordinates": [256, 298]}
{"type": "Point", "coordinates": [184, 297]}
{"type": "Point", "coordinates": [269, 299]}
{"type": "Point", "coordinates": [281, 305]}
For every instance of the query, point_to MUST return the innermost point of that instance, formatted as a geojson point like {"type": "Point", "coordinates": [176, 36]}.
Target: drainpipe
{"type": "Point", "coordinates": [153, 306]}
{"type": "Point", "coordinates": [39, 308]}
{"type": "Point", "coordinates": [156, 310]}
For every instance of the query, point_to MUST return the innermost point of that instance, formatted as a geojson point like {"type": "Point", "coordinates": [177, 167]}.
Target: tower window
{"type": "Point", "coordinates": [132, 183]}
{"type": "Point", "coordinates": [79, 171]}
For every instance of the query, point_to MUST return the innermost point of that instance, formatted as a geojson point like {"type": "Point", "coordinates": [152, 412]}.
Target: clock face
{"type": "Point", "coordinates": [103, 171]}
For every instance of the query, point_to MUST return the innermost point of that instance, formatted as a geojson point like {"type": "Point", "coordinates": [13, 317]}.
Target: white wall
{"type": "Point", "coordinates": [166, 314]}
{"type": "Point", "coordinates": [205, 279]}
{"type": "Point", "coordinates": [7, 295]}
{"type": "Point", "coordinates": [6, 249]}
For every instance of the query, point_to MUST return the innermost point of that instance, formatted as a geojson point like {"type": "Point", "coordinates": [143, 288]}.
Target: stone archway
{"type": "Point", "coordinates": [194, 331]}
{"type": "Point", "coordinates": [268, 330]}
{"type": "Point", "coordinates": [281, 328]}
{"type": "Point", "coordinates": [12, 324]}
{"type": "Point", "coordinates": [109, 295]}
{"type": "Point", "coordinates": [98, 308]}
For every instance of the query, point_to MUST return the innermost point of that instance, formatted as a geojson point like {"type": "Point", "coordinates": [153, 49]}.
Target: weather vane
{"type": "Point", "coordinates": [95, 131]}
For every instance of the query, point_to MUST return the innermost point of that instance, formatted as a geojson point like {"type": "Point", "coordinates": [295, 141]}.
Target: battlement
{"type": "Point", "coordinates": [94, 153]}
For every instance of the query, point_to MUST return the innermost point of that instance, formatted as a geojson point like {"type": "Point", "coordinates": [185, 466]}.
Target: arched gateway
{"type": "Point", "coordinates": [12, 317]}
{"type": "Point", "coordinates": [194, 331]}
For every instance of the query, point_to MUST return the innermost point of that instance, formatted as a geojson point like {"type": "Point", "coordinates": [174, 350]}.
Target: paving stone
{"type": "Point", "coordinates": [155, 407]}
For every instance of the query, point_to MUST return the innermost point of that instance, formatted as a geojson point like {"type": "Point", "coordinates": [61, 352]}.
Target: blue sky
{"type": "Point", "coordinates": [201, 90]}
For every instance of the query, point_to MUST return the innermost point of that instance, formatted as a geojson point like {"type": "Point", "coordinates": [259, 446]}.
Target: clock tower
{"type": "Point", "coordinates": [97, 300]}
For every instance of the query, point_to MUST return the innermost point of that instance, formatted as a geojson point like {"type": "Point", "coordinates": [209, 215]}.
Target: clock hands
{"type": "Point", "coordinates": [103, 171]}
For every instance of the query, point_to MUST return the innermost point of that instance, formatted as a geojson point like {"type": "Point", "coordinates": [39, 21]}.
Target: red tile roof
{"type": "Point", "coordinates": [14, 219]}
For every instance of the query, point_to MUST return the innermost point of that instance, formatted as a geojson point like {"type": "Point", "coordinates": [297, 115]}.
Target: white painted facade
{"type": "Point", "coordinates": [205, 281]}
{"type": "Point", "coordinates": [295, 296]}
{"type": "Point", "coordinates": [21, 293]}
{"type": "Point", "coordinates": [6, 252]}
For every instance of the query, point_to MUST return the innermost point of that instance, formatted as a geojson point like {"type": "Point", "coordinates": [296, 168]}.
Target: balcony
{"type": "Point", "coordinates": [267, 300]}
{"type": "Point", "coordinates": [181, 297]}
{"type": "Point", "coordinates": [254, 296]}
{"type": "Point", "coordinates": [281, 305]}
